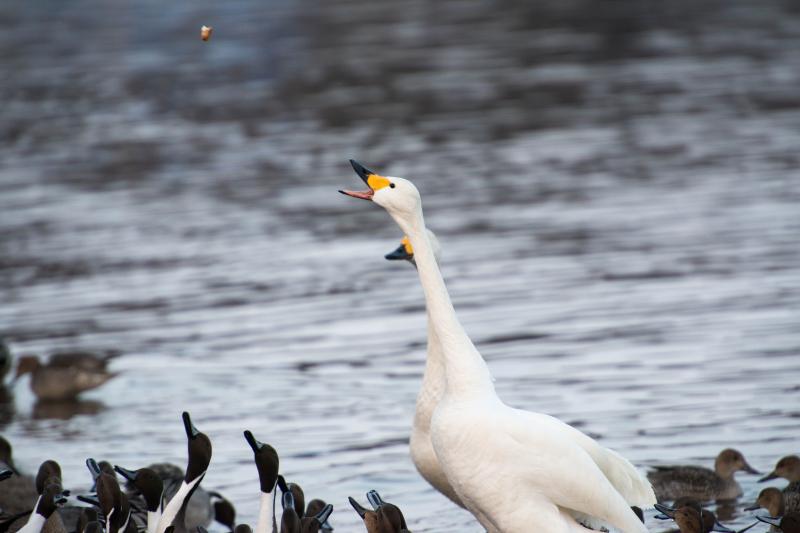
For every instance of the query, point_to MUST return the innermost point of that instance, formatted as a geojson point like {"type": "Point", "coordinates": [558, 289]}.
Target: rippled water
{"type": "Point", "coordinates": [615, 186]}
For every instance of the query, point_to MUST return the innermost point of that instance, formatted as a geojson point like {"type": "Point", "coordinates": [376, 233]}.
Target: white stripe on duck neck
{"type": "Point", "coordinates": [266, 513]}
{"type": "Point", "coordinates": [152, 520]}
{"type": "Point", "coordinates": [35, 521]}
{"type": "Point", "coordinates": [174, 506]}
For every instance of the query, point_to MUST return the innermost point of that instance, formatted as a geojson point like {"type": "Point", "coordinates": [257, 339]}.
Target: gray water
{"type": "Point", "coordinates": [615, 185]}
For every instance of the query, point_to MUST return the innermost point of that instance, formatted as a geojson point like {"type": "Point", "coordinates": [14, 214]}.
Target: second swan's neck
{"type": "Point", "coordinates": [465, 370]}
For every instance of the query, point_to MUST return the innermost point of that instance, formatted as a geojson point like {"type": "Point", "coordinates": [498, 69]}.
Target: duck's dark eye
{"type": "Point", "coordinates": [391, 185]}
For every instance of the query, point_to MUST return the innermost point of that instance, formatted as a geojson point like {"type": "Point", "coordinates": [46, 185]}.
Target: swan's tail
{"type": "Point", "coordinates": [629, 482]}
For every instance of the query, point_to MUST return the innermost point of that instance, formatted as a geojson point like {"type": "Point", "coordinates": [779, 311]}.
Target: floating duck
{"type": "Point", "coordinates": [671, 482]}
{"type": "Point", "coordinates": [65, 375]}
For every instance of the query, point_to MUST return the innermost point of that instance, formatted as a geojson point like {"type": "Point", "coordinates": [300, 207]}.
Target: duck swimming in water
{"type": "Point", "coordinates": [514, 470]}
{"type": "Point", "coordinates": [65, 375]}
{"type": "Point", "coordinates": [672, 482]}
{"type": "Point", "coordinates": [788, 468]}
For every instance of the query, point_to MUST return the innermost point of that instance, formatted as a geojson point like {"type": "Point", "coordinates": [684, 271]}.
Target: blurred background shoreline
{"type": "Point", "coordinates": [615, 186]}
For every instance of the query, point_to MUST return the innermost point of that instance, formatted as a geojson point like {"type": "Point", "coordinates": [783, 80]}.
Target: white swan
{"type": "Point", "coordinates": [514, 470]}
{"type": "Point", "coordinates": [430, 392]}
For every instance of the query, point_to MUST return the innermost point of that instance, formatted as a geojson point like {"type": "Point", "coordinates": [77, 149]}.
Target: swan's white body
{"type": "Point", "coordinates": [514, 470]}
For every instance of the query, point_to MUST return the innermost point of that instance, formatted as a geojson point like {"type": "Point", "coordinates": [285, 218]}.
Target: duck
{"type": "Point", "coordinates": [788, 468]}
{"type": "Point", "coordinates": [370, 518]}
{"type": "Point", "coordinates": [45, 507]}
{"type": "Point", "coordinates": [314, 523]}
{"type": "Point", "coordinates": [290, 519]}
{"type": "Point", "coordinates": [671, 482]}
{"type": "Point", "coordinates": [707, 518]}
{"type": "Point", "coordinates": [555, 474]}
{"type": "Point", "coordinates": [224, 511]}
{"type": "Point", "coordinates": [199, 511]}
{"type": "Point", "coordinates": [267, 464]}
{"type": "Point", "coordinates": [770, 499]}
{"type": "Point", "coordinates": [790, 523]}
{"type": "Point", "coordinates": [113, 503]}
{"type": "Point", "coordinates": [199, 451]}
{"type": "Point", "coordinates": [65, 375]}
{"type": "Point", "coordinates": [299, 499]}
{"type": "Point", "coordinates": [146, 482]}
{"type": "Point", "coordinates": [389, 515]}
{"type": "Point", "coordinates": [21, 493]}
{"type": "Point", "coordinates": [694, 519]}
{"type": "Point", "coordinates": [430, 392]}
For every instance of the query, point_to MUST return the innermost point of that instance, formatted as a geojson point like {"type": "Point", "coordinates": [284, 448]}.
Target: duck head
{"type": "Point", "coordinates": [267, 462]}
{"type": "Point", "coordinates": [290, 520]}
{"type": "Point", "coordinates": [224, 511]}
{"type": "Point", "coordinates": [729, 461]}
{"type": "Point", "coordinates": [48, 471]}
{"type": "Point", "coordinates": [397, 195]}
{"type": "Point", "coordinates": [27, 364]}
{"type": "Point", "coordinates": [788, 468]}
{"type": "Point", "coordinates": [770, 499]}
{"type": "Point", "coordinates": [199, 447]}
{"type": "Point", "coordinates": [369, 517]}
{"type": "Point", "coordinates": [147, 482]}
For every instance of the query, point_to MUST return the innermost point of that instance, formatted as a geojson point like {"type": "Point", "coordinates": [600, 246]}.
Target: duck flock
{"type": "Point", "coordinates": [516, 471]}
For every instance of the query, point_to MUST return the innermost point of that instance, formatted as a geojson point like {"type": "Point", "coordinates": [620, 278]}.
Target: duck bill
{"type": "Point", "coordinates": [771, 475]}
{"type": "Point", "coordinates": [191, 431]}
{"type": "Point", "coordinates": [667, 511]}
{"type": "Point", "coordinates": [357, 506]}
{"type": "Point", "coordinates": [130, 475]}
{"type": "Point", "coordinates": [375, 499]}
{"type": "Point", "coordinates": [750, 470]}
{"type": "Point", "coordinates": [251, 440]}
{"type": "Point", "coordinates": [754, 507]}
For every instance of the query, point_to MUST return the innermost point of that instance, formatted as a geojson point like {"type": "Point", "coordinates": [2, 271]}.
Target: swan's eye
{"type": "Point", "coordinates": [391, 185]}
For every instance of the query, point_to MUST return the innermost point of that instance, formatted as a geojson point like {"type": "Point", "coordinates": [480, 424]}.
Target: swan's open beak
{"type": "Point", "coordinates": [365, 174]}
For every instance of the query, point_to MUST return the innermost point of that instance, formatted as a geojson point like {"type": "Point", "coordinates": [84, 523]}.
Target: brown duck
{"type": "Point", "coordinates": [65, 375]}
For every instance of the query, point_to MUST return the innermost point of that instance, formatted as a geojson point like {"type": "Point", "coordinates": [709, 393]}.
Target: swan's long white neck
{"type": "Point", "coordinates": [466, 371]}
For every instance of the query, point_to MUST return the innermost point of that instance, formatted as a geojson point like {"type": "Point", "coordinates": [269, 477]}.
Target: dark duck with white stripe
{"type": "Point", "coordinates": [199, 451]}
